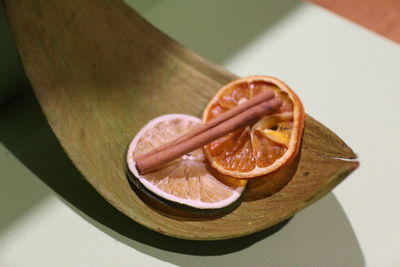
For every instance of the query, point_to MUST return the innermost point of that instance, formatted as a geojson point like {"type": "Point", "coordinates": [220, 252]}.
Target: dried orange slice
{"type": "Point", "coordinates": [187, 182]}
{"type": "Point", "coordinates": [265, 146]}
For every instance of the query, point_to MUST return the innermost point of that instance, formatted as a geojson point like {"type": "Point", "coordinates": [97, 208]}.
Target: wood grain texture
{"type": "Point", "coordinates": [381, 16]}
{"type": "Point", "coordinates": [101, 72]}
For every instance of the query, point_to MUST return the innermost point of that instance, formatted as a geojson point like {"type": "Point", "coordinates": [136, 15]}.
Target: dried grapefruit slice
{"type": "Point", "coordinates": [188, 181]}
{"type": "Point", "coordinates": [265, 146]}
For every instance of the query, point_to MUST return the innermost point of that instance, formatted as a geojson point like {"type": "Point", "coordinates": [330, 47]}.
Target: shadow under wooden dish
{"type": "Point", "coordinates": [100, 72]}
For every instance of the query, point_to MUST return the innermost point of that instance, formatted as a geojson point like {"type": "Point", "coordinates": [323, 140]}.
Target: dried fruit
{"type": "Point", "coordinates": [265, 146]}
{"type": "Point", "coordinates": [187, 182]}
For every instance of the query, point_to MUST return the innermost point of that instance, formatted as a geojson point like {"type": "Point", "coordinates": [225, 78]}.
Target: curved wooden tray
{"type": "Point", "coordinates": [100, 72]}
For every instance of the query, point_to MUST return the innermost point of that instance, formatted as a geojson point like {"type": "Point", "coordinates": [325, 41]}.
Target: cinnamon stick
{"type": "Point", "coordinates": [265, 95]}
{"type": "Point", "coordinates": [249, 116]}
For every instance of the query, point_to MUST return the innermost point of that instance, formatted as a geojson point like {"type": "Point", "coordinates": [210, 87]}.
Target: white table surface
{"type": "Point", "coordinates": [347, 77]}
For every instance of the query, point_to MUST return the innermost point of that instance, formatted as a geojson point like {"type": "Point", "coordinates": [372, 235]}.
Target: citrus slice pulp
{"type": "Point", "coordinates": [188, 180]}
{"type": "Point", "coordinates": [265, 146]}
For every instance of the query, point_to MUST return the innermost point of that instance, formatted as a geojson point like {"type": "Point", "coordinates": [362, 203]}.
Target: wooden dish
{"type": "Point", "coordinates": [101, 72]}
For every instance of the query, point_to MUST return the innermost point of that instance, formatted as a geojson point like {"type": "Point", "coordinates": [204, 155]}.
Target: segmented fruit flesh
{"type": "Point", "coordinates": [258, 145]}
{"type": "Point", "coordinates": [189, 179]}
